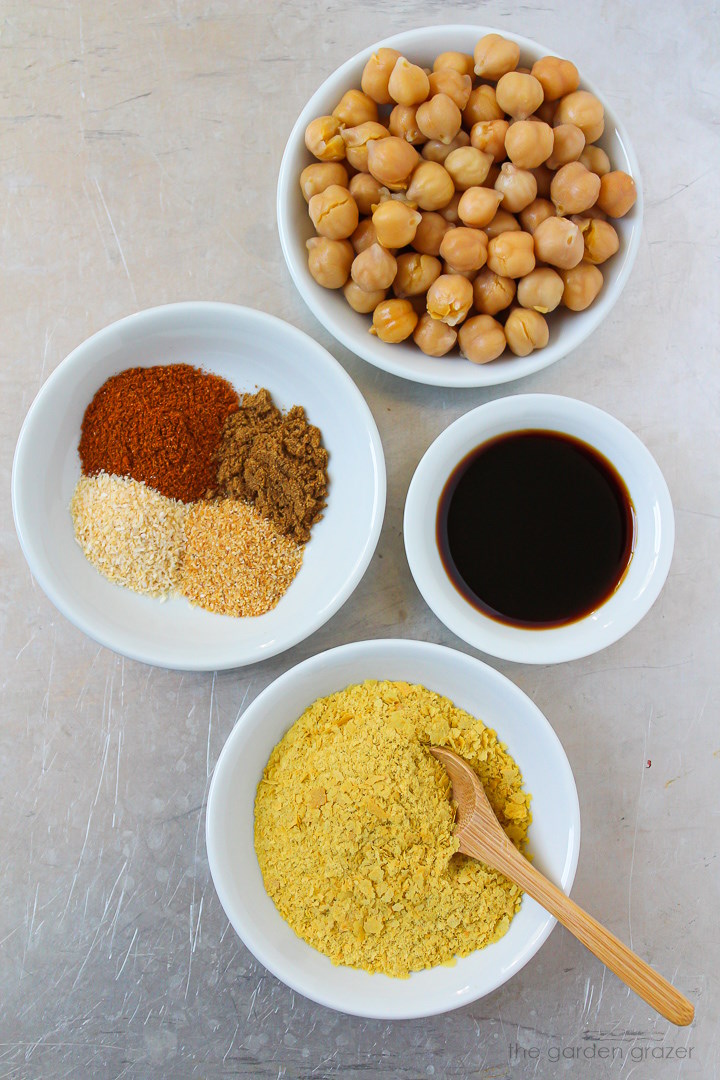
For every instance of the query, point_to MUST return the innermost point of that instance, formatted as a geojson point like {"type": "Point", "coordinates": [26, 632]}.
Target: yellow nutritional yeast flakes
{"type": "Point", "coordinates": [354, 830]}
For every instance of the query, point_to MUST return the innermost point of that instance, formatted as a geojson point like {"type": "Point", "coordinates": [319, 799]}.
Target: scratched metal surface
{"type": "Point", "coordinates": [139, 144]}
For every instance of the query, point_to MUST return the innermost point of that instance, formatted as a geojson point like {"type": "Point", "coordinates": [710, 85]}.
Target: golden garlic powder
{"type": "Point", "coordinates": [354, 830]}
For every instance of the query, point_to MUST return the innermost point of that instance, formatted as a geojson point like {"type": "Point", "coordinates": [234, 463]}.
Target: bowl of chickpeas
{"type": "Point", "coordinates": [458, 206]}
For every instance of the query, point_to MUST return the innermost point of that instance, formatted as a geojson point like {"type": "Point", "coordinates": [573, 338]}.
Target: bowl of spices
{"type": "Point", "coordinates": [539, 528]}
{"type": "Point", "coordinates": [330, 828]}
{"type": "Point", "coordinates": [198, 486]}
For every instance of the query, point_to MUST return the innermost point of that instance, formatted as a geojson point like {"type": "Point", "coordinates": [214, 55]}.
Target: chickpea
{"type": "Point", "coordinates": [511, 254]}
{"type": "Point", "coordinates": [334, 212]}
{"type": "Point", "coordinates": [595, 159]}
{"type": "Point", "coordinates": [391, 161]}
{"type": "Point", "coordinates": [582, 284]}
{"type": "Point", "coordinates": [365, 190]}
{"type": "Point", "coordinates": [568, 145]}
{"type": "Point", "coordinates": [502, 222]}
{"type": "Point", "coordinates": [482, 105]}
{"type": "Point", "coordinates": [431, 186]}
{"type": "Point", "coordinates": [364, 236]}
{"type": "Point", "coordinates": [519, 95]}
{"type": "Point", "coordinates": [361, 300]}
{"type": "Point", "coordinates": [545, 112]}
{"type": "Point", "coordinates": [557, 77]}
{"type": "Point", "coordinates": [541, 290]}
{"type": "Point", "coordinates": [529, 143]}
{"type": "Point", "coordinates": [393, 320]}
{"type": "Point", "coordinates": [329, 261]}
{"type": "Point", "coordinates": [376, 75]}
{"type": "Point", "coordinates": [538, 211]}
{"type": "Point", "coordinates": [450, 82]}
{"type": "Point", "coordinates": [316, 177]}
{"type": "Point", "coordinates": [374, 268]}
{"type": "Point", "coordinates": [430, 232]}
{"type": "Point", "coordinates": [403, 125]}
{"type": "Point", "coordinates": [323, 138]}
{"type": "Point", "coordinates": [543, 178]}
{"type": "Point", "coordinates": [469, 275]}
{"type": "Point", "coordinates": [468, 167]}
{"type": "Point", "coordinates": [463, 63]}
{"type": "Point", "coordinates": [481, 339]}
{"type": "Point", "coordinates": [464, 249]}
{"type": "Point", "coordinates": [585, 111]}
{"type": "Point", "coordinates": [478, 206]}
{"type": "Point", "coordinates": [357, 140]}
{"type": "Point", "coordinates": [559, 242]}
{"type": "Point", "coordinates": [439, 118]}
{"type": "Point", "coordinates": [617, 193]}
{"type": "Point", "coordinates": [433, 337]}
{"type": "Point", "coordinates": [601, 241]}
{"type": "Point", "coordinates": [450, 212]}
{"type": "Point", "coordinates": [491, 292]}
{"type": "Point", "coordinates": [525, 331]}
{"type": "Point", "coordinates": [354, 108]}
{"type": "Point", "coordinates": [592, 214]}
{"type": "Point", "coordinates": [574, 189]}
{"type": "Point", "coordinates": [491, 178]}
{"type": "Point", "coordinates": [518, 187]}
{"type": "Point", "coordinates": [415, 274]}
{"type": "Point", "coordinates": [408, 84]}
{"type": "Point", "coordinates": [494, 56]}
{"type": "Point", "coordinates": [436, 151]}
{"type": "Point", "coordinates": [395, 223]}
{"type": "Point", "coordinates": [449, 298]}
{"type": "Point", "coordinates": [489, 136]}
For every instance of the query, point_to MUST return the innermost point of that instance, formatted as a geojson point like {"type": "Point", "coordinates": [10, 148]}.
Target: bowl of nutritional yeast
{"type": "Point", "coordinates": [198, 486]}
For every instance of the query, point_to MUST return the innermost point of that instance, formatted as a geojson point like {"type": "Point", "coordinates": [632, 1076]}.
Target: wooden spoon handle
{"type": "Point", "coordinates": [626, 964]}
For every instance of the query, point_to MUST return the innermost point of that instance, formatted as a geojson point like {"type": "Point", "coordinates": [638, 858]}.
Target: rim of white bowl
{"type": "Point", "coordinates": [638, 589]}
{"type": "Point", "coordinates": [159, 659]}
{"type": "Point", "coordinates": [252, 718]}
{"type": "Point", "coordinates": [455, 372]}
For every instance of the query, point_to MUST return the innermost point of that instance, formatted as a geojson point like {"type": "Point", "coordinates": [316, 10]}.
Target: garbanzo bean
{"type": "Point", "coordinates": [433, 337]}
{"type": "Point", "coordinates": [595, 159]}
{"type": "Point", "coordinates": [321, 174]}
{"type": "Point", "coordinates": [585, 111]}
{"type": "Point", "coordinates": [450, 212]}
{"type": "Point", "coordinates": [430, 232]}
{"type": "Point", "coordinates": [481, 339]}
{"type": "Point", "coordinates": [357, 139]}
{"type": "Point", "coordinates": [439, 118]}
{"type": "Point", "coordinates": [355, 107]}
{"type": "Point", "coordinates": [557, 77]}
{"type": "Point", "coordinates": [361, 300]}
{"type": "Point", "coordinates": [374, 268]}
{"type": "Point", "coordinates": [456, 86]}
{"type": "Point", "coordinates": [482, 105]}
{"type": "Point", "coordinates": [415, 274]}
{"type": "Point", "coordinates": [478, 205]}
{"type": "Point", "coordinates": [334, 212]}
{"type": "Point", "coordinates": [403, 125]}
{"type": "Point", "coordinates": [408, 84]}
{"type": "Point", "coordinates": [468, 167]}
{"type": "Point", "coordinates": [391, 161]}
{"type": "Point", "coordinates": [464, 249]}
{"type": "Point", "coordinates": [461, 62]}
{"type": "Point", "coordinates": [449, 298]}
{"type": "Point", "coordinates": [543, 178]}
{"type": "Point", "coordinates": [617, 193]}
{"type": "Point", "coordinates": [582, 284]}
{"type": "Point", "coordinates": [364, 236]}
{"type": "Point", "coordinates": [365, 190]}
{"type": "Point", "coordinates": [470, 275]}
{"type": "Point", "coordinates": [574, 189]}
{"type": "Point", "coordinates": [526, 330]}
{"type": "Point", "coordinates": [329, 261]}
{"type": "Point", "coordinates": [494, 56]}
{"type": "Point", "coordinates": [430, 186]}
{"type": "Point", "coordinates": [502, 222]}
{"type": "Point", "coordinates": [324, 140]}
{"type": "Point", "coordinates": [539, 210]}
{"type": "Point", "coordinates": [529, 143]}
{"type": "Point", "coordinates": [489, 136]}
{"type": "Point", "coordinates": [511, 254]}
{"type": "Point", "coordinates": [559, 242]}
{"type": "Point", "coordinates": [601, 241]}
{"type": "Point", "coordinates": [491, 292]}
{"type": "Point", "coordinates": [434, 150]}
{"type": "Point", "coordinates": [395, 223]}
{"type": "Point", "coordinates": [376, 75]}
{"type": "Point", "coordinates": [568, 145]}
{"type": "Point", "coordinates": [541, 289]}
{"type": "Point", "coordinates": [517, 186]}
{"type": "Point", "coordinates": [519, 95]}
{"type": "Point", "coordinates": [394, 320]}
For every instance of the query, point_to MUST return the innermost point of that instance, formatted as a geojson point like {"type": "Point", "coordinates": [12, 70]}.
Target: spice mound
{"type": "Point", "coordinates": [276, 461]}
{"type": "Point", "coordinates": [354, 830]}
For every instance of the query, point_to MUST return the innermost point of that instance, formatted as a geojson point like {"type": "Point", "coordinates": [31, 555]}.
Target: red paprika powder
{"type": "Point", "coordinates": [159, 425]}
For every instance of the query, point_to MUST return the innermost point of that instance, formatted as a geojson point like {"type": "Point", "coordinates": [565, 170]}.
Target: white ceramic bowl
{"type": "Point", "coordinates": [655, 528]}
{"type": "Point", "coordinates": [554, 834]}
{"type": "Point", "coordinates": [249, 349]}
{"type": "Point", "coordinates": [567, 329]}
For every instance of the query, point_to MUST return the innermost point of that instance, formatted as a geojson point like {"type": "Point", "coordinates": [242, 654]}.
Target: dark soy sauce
{"type": "Point", "coordinates": [535, 528]}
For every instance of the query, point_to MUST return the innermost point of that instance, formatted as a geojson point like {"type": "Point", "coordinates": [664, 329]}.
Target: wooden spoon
{"type": "Point", "coordinates": [482, 837]}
